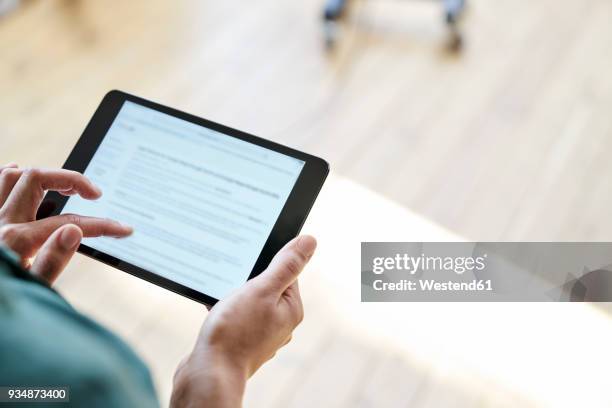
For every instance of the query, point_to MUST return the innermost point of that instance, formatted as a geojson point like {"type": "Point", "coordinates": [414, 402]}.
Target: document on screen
{"type": "Point", "coordinates": [202, 203]}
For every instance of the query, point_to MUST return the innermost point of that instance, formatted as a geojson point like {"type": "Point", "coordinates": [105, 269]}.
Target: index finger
{"type": "Point", "coordinates": [24, 199]}
{"type": "Point", "coordinates": [26, 238]}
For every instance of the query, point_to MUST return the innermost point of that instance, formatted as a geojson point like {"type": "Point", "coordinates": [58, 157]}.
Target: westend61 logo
{"type": "Point", "coordinates": [486, 271]}
{"type": "Point", "coordinates": [412, 264]}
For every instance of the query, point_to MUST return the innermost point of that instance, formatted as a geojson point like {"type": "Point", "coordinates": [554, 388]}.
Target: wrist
{"type": "Point", "coordinates": [208, 378]}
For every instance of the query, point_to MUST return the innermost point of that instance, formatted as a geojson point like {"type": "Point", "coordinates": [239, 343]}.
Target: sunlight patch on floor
{"type": "Point", "coordinates": [553, 354]}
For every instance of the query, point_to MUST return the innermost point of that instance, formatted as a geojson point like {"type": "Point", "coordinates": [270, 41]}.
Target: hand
{"type": "Point", "coordinates": [244, 331]}
{"type": "Point", "coordinates": [52, 240]}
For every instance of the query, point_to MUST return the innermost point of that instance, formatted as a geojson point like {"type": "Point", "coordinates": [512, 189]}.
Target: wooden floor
{"type": "Point", "coordinates": [509, 140]}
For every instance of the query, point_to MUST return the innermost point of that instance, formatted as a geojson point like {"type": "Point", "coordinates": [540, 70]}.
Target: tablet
{"type": "Point", "coordinates": [210, 205]}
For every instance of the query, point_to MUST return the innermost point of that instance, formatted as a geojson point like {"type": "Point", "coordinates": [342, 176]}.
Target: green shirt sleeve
{"type": "Point", "coordinates": [45, 342]}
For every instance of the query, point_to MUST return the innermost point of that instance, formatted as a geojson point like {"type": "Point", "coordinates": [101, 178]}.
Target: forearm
{"type": "Point", "coordinates": [208, 381]}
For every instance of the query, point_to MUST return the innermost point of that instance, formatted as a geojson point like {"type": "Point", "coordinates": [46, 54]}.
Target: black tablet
{"type": "Point", "coordinates": [210, 205]}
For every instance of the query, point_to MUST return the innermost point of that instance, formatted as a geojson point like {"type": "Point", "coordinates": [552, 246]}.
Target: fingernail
{"type": "Point", "coordinates": [127, 228]}
{"type": "Point", "coordinates": [98, 190]}
{"type": "Point", "coordinates": [70, 237]}
{"type": "Point", "coordinates": [307, 245]}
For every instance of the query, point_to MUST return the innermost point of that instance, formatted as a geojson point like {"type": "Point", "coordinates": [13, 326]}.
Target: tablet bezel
{"type": "Point", "coordinates": [287, 226]}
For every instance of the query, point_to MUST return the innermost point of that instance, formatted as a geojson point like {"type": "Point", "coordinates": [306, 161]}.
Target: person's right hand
{"type": "Point", "coordinates": [243, 331]}
{"type": "Point", "coordinates": [52, 240]}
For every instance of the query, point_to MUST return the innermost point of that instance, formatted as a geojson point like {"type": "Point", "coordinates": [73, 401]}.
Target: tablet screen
{"type": "Point", "coordinates": [202, 203]}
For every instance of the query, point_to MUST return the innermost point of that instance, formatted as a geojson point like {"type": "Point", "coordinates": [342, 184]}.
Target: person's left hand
{"type": "Point", "coordinates": [54, 240]}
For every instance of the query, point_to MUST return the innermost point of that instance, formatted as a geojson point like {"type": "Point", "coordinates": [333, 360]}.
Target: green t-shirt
{"type": "Point", "coordinates": [45, 342]}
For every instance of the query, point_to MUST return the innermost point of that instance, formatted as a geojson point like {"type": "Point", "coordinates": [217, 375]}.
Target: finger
{"type": "Point", "coordinates": [288, 264]}
{"type": "Point", "coordinates": [8, 179]}
{"type": "Point", "coordinates": [91, 226]}
{"type": "Point", "coordinates": [26, 238]}
{"type": "Point", "coordinates": [293, 291]}
{"type": "Point", "coordinates": [24, 199]}
{"type": "Point", "coordinates": [57, 252]}
{"type": "Point", "coordinates": [8, 166]}
{"type": "Point", "coordinates": [293, 298]}
{"type": "Point", "coordinates": [70, 192]}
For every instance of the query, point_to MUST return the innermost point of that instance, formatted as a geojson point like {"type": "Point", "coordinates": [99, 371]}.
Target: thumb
{"type": "Point", "coordinates": [56, 252]}
{"type": "Point", "coordinates": [288, 263]}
